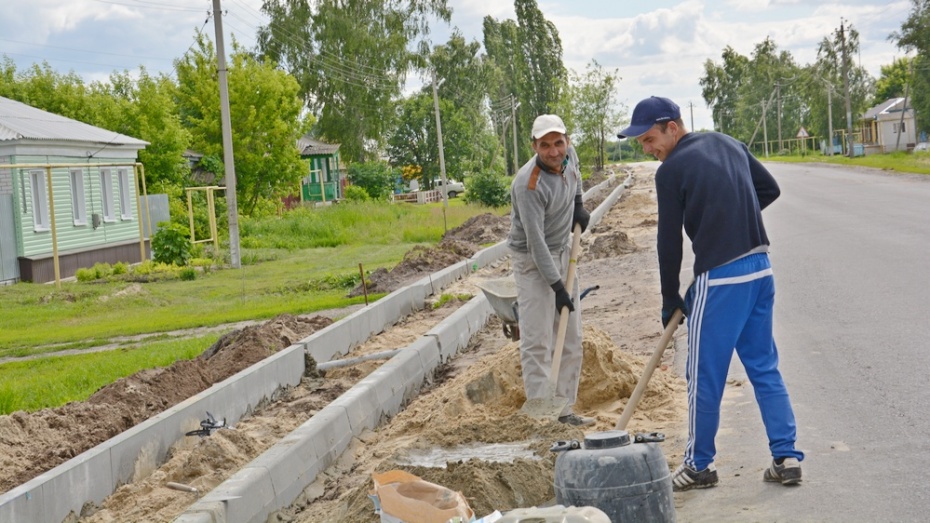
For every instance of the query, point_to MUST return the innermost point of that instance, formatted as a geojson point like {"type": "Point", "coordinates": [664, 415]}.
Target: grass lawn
{"type": "Point", "coordinates": [299, 263]}
{"type": "Point", "coordinates": [900, 161]}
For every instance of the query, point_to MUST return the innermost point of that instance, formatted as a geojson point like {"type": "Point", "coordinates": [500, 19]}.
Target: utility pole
{"type": "Point", "coordinates": [513, 114]}
{"type": "Point", "coordinates": [778, 110]}
{"type": "Point", "coordinates": [442, 158]}
{"type": "Point", "coordinates": [907, 85]}
{"type": "Point", "coordinates": [830, 115]}
{"type": "Point", "coordinates": [228, 161]}
{"type": "Point", "coordinates": [765, 132]}
{"type": "Point", "coordinates": [691, 106]}
{"type": "Point", "coordinates": [849, 122]}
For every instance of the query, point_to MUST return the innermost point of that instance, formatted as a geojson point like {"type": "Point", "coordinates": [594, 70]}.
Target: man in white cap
{"type": "Point", "coordinates": [710, 185]}
{"type": "Point", "coordinates": [546, 198]}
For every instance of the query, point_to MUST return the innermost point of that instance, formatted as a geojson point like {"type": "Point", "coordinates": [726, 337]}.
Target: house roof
{"type": "Point", "coordinates": [891, 105]}
{"type": "Point", "coordinates": [20, 121]}
{"type": "Point", "coordinates": [310, 147]}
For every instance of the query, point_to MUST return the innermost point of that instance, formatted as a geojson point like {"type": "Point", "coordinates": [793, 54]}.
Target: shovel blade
{"type": "Point", "coordinates": [548, 408]}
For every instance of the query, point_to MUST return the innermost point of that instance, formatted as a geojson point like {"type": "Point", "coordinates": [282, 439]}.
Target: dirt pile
{"type": "Point", "coordinates": [32, 443]}
{"type": "Point", "coordinates": [476, 413]}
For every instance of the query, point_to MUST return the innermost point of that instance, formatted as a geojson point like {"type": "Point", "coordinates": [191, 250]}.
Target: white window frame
{"type": "Point", "coordinates": [125, 202]}
{"type": "Point", "coordinates": [78, 201]}
{"type": "Point", "coordinates": [40, 217]}
{"type": "Point", "coordinates": [106, 195]}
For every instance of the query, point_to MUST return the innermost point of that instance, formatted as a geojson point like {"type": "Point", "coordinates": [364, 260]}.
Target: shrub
{"type": "Point", "coordinates": [120, 268]}
{"type": "Point", "coordinates": [377, 178]}
{"type": "Point", "coordinates": [487, 188]}
{"type": "Point", "coordinates": [171, 244]}
{"type": "Point", "coordinates": [188, 274]}
{"type": "Point", "coordinates": [102, 270]}
{"type": "Point", "coordinates": [354, 193]}
{"type": "Point", "coordinates": [85, 275]}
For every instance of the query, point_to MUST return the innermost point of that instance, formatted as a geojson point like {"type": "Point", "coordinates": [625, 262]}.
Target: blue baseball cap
{"type": "Point", "coordinates": [649, 112]}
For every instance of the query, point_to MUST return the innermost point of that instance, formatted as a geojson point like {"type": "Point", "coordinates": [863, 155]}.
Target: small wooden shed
{"type": "Point", "coordinates": [92, 200]}
{"type": "Point", "coordinates": [325, 181]}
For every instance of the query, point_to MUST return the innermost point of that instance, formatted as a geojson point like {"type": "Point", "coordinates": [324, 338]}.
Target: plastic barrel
{"type": "Point", "coordinates": [628, 482]}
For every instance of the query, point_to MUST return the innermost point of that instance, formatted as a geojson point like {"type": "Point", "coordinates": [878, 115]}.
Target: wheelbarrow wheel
{"type": "Point", "coordinates": [512, 331]}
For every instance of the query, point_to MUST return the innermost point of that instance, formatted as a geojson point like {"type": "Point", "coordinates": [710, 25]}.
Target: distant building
{"type": "Point", "coordinates": [96, 214]}
{"type": "Point", "coordinates": [325, 181]}
{"type": "Point", "coordinates": [888, 126]}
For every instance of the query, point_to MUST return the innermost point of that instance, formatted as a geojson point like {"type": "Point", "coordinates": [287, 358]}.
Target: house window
{"type": "Point", "coordinates": [125, 209]}
{"type": "Point", "coordinates": [106, 195]}
{"type": "Point", "coordinates": [899, 127]}
{"type": "Point", "coordinates": [78, 202]}
{"type": "Point", "coordinates": [40, 218]}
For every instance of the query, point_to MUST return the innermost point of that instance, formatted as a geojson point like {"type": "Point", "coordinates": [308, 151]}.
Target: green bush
{"type": "Point", "coordinates": [85, 275]}
{"type": "Point", "coordinates": [171, 244]}
{"type": "Point", "coordinates": [354, 193]}
{"type": "Point", "coordinates": [377, 178]}
{"type": "Point", "coordinates": [103, 270]}
{"type": "Point", "coordinates": [188, 274]}
{"type": "Point", "coordinates": [487, 188]}
{"type": "Point", "coordinates": [120, 268]}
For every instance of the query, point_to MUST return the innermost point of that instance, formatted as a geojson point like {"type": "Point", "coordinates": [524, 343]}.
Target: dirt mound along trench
{"type": "Point", "coordinates": [33, 443]}
{"type": "Point", "coordinates": [480, 407]}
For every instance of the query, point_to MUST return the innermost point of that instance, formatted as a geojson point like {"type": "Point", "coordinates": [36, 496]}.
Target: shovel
{"type": "Point", "coordinates": [551, 406]}
{"type": "Point", "coordinates": [647, 372]}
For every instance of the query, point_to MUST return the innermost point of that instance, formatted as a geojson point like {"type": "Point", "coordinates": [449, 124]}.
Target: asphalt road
{"type": "Point", "coordinates": [851, 254]}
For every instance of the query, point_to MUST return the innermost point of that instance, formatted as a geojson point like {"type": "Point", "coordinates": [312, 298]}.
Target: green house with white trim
{"type": "Point", "coordinates": [68, 196]}
{"type": "Point", "coordinates": [325, 181]}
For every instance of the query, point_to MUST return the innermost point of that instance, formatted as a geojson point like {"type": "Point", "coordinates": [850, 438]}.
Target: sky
{"type": "Point", "coordinates": [657, 47]}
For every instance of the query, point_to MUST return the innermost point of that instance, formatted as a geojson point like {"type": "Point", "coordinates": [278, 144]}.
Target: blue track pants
{"type": "Point", "coordinates": [731, 308]}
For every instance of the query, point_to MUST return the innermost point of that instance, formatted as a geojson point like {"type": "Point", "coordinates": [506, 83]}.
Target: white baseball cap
{"type": "Point", "coordinates": [547, 123]}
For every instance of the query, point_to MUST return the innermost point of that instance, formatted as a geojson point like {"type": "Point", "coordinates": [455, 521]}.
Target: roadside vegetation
{"type": "Point", "coordinates": [899, 161]}
{"type": "Point", "coordinates": [303, 262]}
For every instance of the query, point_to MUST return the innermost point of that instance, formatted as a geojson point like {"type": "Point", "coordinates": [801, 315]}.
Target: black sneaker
{"type": "Point", "coordinates": [576, 420]}
{"type": "Point", "coordinates": [788, 472]}
{"type": "Point", "coordinates": [686, 478]}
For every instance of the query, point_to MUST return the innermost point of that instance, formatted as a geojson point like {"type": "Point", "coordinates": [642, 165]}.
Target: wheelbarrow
{"type": "Point", "coordinates": [502, 295]}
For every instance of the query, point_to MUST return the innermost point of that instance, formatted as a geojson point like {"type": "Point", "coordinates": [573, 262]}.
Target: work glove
{"type": "Point", "coordinates": [562, 298]}
{"type": "Point", "coordinates": [580, 216]}
{"type": "Point", "coordinates": [668, 308]}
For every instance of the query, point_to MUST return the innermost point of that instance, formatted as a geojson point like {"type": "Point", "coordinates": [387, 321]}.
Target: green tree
{"type": "Point", "coordinates": [265, 115]}
{"type": "Point", "coordinates": [503, 71]}
{"type": "Point", "coordinates": [351, 59]}
{"type": "Point", "coordinates": [720, 87]}
{"type": "Point", "coordinates": [527, 63]}
{"type": "Point", "coordinates": [467, 142]}
{"type": "Point", "coordinates": [597, 112]}
{"type": "Point", "coordinates": [827, 73]}
{"type": "Point", "coordinates": [892, 80]}
{"type": "Point", "coordinates": [914, 35]}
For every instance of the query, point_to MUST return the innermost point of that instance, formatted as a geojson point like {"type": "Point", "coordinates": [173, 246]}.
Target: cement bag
{"type": "Point", "coordinates": [401, 497]}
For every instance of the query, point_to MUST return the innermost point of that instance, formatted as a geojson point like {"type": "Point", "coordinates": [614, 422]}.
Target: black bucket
{"type": "Point", "coordinates": [628, 482]}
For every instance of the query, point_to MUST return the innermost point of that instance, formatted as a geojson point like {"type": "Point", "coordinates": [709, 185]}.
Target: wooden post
{"type": "Point", "coordinates": [51, 213]}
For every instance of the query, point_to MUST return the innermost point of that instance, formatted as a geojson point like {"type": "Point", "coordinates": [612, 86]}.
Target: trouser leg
{"type": "Point", "coordinates": [758, 353]}
{"type": "Point", "coordinates": [712, 332]}
{"type": "Point", "coordinates": [539, 328]}
{"type": "Point", "coordinates": [536, 308]}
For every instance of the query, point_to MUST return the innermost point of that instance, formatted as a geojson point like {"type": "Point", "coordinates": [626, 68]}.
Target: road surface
{"type": "Point", "coordinates": [851, 254]}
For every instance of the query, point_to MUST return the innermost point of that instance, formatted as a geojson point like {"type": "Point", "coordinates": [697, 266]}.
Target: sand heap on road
{"type": "Point", "coordinates": [476, 413]}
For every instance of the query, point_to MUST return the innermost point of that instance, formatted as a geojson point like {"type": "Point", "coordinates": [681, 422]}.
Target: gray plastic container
{"type": "Point", "coordinates": [628, 482]}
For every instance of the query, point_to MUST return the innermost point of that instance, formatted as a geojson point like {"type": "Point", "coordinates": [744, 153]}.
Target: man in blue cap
{"type": "Point", "coordinates": [710, 185]}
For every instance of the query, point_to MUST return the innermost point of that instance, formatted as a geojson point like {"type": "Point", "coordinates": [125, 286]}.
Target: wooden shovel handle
{"type": "Point", "coordinates": [563, 314]}
{"type": "Point", "coordinates": [647, 372]}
